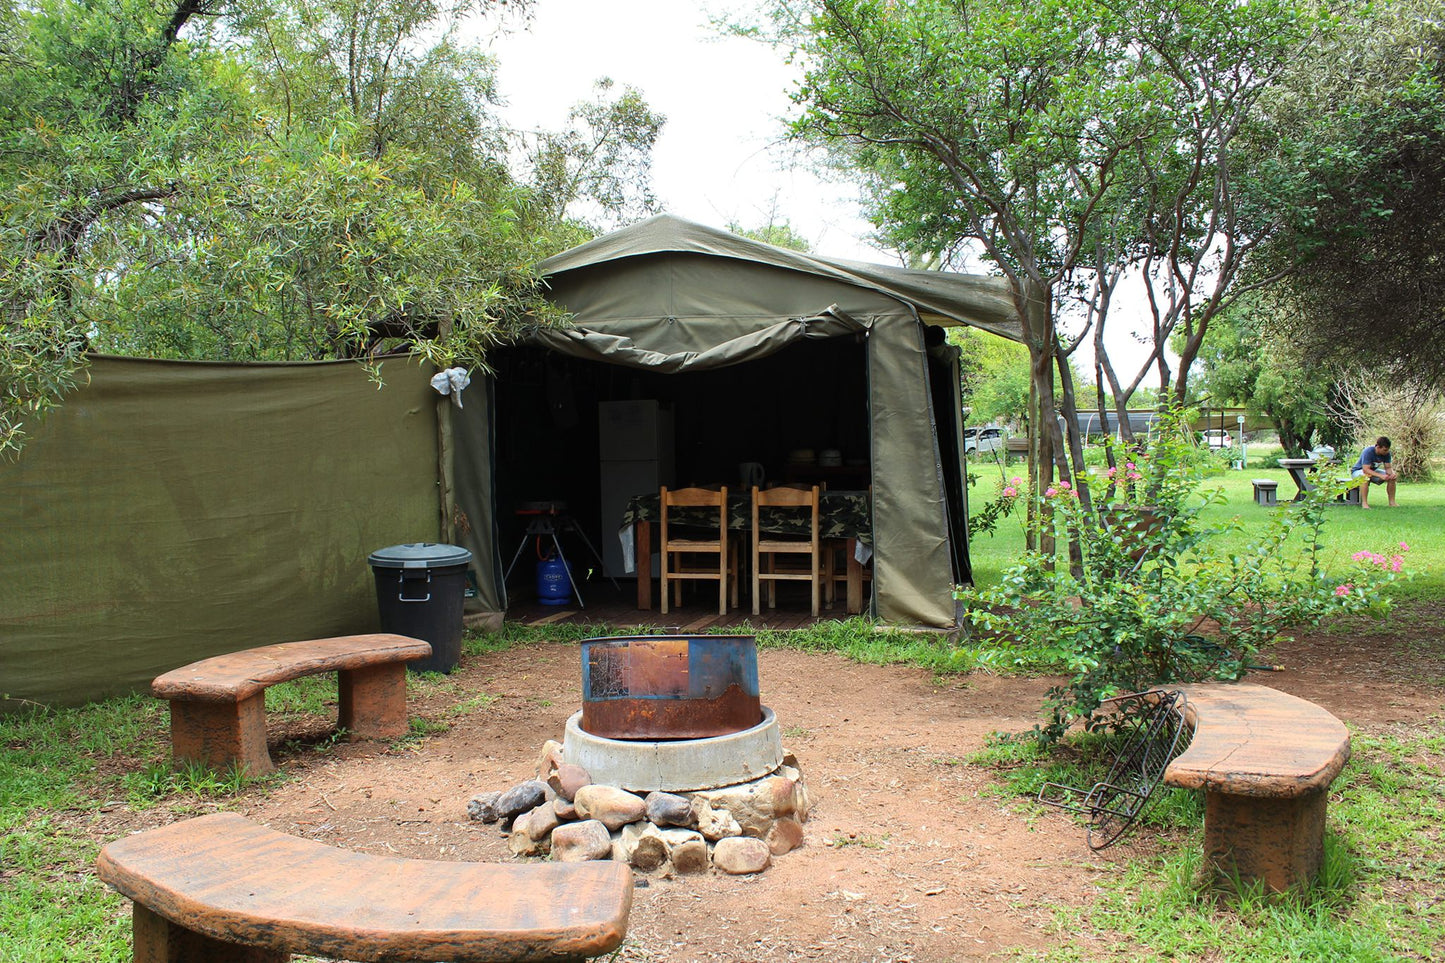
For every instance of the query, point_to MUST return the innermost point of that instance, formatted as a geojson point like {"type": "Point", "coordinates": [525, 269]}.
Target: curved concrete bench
{"type": "Point", "coordinates": [1265, 760]}
{"type": "Point", "coordinates": [223, 889]}
{"type": "Point", "coordinates": [218, 705]}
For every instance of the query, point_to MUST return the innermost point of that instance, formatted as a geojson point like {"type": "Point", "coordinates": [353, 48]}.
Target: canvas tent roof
{"type": "Point", "coordinates": [939, 297]}
{"type": "Point", "coordinates": [667, 297]}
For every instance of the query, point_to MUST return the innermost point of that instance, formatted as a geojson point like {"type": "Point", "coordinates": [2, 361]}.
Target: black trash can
{"type": "Point", "coordinates": [419, 593]}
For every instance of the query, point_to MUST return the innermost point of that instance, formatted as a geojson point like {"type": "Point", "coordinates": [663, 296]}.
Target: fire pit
{"type": "Point", "coordinates": [672, 764]}
{"type": "Point", "coordinates": [672, 714]}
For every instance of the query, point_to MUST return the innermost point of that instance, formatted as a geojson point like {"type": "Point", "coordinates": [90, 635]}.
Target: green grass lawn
{"type": "Point", "coordinates": [1419, 522]}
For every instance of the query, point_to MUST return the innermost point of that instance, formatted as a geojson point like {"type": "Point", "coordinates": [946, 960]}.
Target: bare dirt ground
{"type": "Point", "coordinates": [911, 854]}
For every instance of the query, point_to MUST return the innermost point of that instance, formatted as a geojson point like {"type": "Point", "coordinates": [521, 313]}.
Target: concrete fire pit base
{"type": "Point", "coordinates": [677, 765]}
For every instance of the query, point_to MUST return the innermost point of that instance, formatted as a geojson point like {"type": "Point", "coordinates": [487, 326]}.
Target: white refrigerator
{"type": "Point", "coordinates": [635, 442]}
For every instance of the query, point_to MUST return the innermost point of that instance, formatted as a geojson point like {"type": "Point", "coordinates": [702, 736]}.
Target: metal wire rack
{"type": "Point", "coordinates": [1156, 733]}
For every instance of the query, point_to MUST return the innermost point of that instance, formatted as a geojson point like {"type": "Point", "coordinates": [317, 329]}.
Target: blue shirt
{"type": "Point", "coordinates": [1372, 459]}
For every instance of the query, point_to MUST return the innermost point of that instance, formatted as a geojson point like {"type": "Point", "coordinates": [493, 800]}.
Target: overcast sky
{"type": "Point", "coordinates": [720, 158]}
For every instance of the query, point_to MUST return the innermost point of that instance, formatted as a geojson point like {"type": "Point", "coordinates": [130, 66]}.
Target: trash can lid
{"type": "Point", "coordinates": [419, 555]}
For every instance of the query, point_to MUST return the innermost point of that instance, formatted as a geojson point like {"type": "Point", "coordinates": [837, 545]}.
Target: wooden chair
{"type": "Point", "coordinates": [836, 553]}
{"type": "Point", "coordinates": [675, 569]}
{"type": "Point", "coordinates": [770, 547]}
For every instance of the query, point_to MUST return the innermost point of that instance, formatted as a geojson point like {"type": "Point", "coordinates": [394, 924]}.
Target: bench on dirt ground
{"type": "Point", "coordinates": [218, 705]}
{"type": "Point", "coordinates": [223, 889]}
{"type": "Point", "coordinates": [1265, 760]}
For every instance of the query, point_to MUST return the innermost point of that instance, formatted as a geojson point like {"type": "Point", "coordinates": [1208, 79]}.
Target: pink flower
{"type": "Point", "coordinates": [1016, 480]}
{"type": "Point", "coordinates": [1051, 491]}
{"type": "Point", "coordinates": [1110, 473]}
{"type": "Point", "coordinates": [1064, 485]}
{"type": "Point", "coordinates": [1404, 547]}
{"type": "Point", "coordinates": [1397, 563]}
{"type": "Point", "coordinates": [1135, 476]}
{"type": "Point", "coordinates": [1129, 465]}
{"type": "Point", "coordinates": [1342, 590]}
{"type": "Point", "coordinates": [1360, 556]}
{"type": "Point", "coordinates": [1010, 492]}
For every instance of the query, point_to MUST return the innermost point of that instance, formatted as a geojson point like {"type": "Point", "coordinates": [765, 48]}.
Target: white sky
{"type": "Point", "coordinates": [721, 155]}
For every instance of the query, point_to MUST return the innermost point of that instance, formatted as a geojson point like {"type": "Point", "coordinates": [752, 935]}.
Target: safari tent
{"type": "Point", "coordinates": [169, 511]}
{"type": "Point", "coordinates": [759, 356]}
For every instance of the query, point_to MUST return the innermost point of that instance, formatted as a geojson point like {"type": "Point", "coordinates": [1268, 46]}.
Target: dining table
{"type": "Point", "coordinates": [846, 516]}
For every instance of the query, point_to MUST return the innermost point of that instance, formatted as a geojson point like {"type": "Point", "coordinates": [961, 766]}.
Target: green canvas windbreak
{"type": "Point", "coordinates": [170, 511]}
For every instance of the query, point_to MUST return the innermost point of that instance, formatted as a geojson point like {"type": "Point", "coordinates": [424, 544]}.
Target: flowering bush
{"type": "Point", "coordinates": [986, 519]}
{"type": "Point", "coordinates": [1153, 597]}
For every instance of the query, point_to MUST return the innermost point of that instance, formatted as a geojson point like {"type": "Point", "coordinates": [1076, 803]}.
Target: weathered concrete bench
{"type": "Point", "coordinates": [223, 889]}
{"type": "Point", "coordinates": [1265, 760]}
{"type": "Point", "coordinates": [1266, 491]}
{"type": "Point", "coordinates": [218, 705]}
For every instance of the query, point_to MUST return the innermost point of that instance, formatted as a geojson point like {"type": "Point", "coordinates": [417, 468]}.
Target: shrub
{"type": "Point", "coordinates": [1153, 597]}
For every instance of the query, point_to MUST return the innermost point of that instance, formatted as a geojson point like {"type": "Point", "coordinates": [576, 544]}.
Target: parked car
{"type": "Point", "coordinates": [986, 438]}
{"type": "Point", "coordinates": [1218, 438]}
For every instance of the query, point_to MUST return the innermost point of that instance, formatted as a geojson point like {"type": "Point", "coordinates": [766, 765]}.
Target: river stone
{"type": "Point", "coordinates": [521, 841]}
{"type": "Point", "coordinates": [579, 842]}
{"type": "Point", "coordinates": [567, 779]}
{"type": "Point", "coordinates": [540, 821]}
{"type": "Point", "coordinates": [670, 809]}
{"type": "Point", "coordinates": [641, 846]}
{"type": "Point", "coordinates": [714, 824]}
{"type": "Point", "coordinates": [564, 808]}
{"type": "Point", "coordinates": [754, 804]}
{"type": "Point", "coordinates": [613, 807]}
{"type": "Point", "coordinates": [802, 801]}
{"type": "Point", "coordinates": [483, 806]}
{"type": "Point", "coordinates": [521, 797]}
{"type": "Point", "coordinates": [549, 760]}
{"type": "Point", "coordinates": [689, 855]}
{"type": "Point", "coordinates": [741, 854]}
{"type": "Point", "coordinates": [785, 836]}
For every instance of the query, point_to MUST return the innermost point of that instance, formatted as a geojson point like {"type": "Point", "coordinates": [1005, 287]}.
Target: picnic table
{"type": "Point", "coordinates": [1299, 469]}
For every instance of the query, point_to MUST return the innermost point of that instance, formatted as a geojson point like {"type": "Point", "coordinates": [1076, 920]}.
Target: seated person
{"type": "Point", "coordinates": [1373, 468]}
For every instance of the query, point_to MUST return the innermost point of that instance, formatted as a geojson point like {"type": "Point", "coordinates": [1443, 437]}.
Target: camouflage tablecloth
{"type": "Point", "coordinates": [841, 514]}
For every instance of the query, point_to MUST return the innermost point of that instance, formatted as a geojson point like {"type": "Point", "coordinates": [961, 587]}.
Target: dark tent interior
{"type": "Point", "coordinates": [809, 397]}
{"type": "Point", "coordinates": [801, 413]}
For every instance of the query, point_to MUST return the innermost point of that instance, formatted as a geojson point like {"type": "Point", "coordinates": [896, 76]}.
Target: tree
{"type": "Point", "coordinates": [1065, 142]}
{"type": "Point", "coordinates": [604, 159]}
{"type": "Point", "coordinates": [995, 375]}
{"type": "Point", "coordinates": [102, 114]}
{"type": "Point", "coordinates": [778, 233]}
{"type": "Point", "coordinates": [264, 180]}
{"type": "Point", "coordinates": [1250, 361]}
{"type": "Point", "coordinates": [1363, 185]}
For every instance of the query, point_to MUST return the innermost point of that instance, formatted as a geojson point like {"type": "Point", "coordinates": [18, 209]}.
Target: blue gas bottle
{"type": "Point", "coordinates": [553, 585]}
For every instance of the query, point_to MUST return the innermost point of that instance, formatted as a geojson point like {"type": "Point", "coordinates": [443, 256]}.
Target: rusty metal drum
{"type": "Point", "coordinates": [670, 687]}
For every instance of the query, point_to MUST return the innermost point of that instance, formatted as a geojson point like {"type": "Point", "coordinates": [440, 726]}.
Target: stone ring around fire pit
{"type": "Point", "coordinates": [673, 765]}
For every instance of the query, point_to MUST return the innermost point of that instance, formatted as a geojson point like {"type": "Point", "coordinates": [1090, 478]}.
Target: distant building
{"type": "Point", "coordinates": [1091, 426]}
